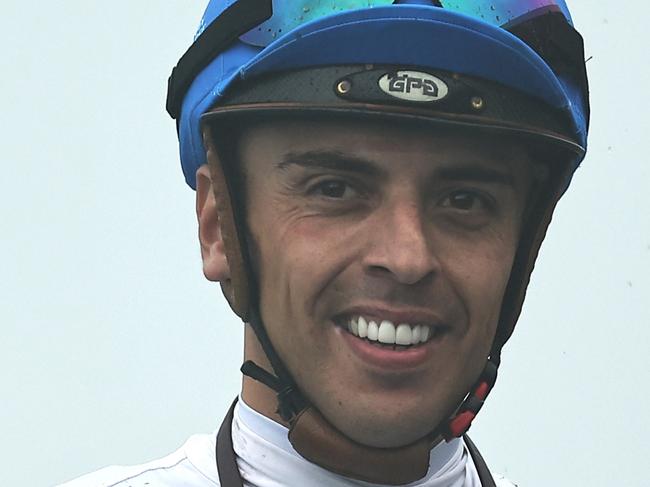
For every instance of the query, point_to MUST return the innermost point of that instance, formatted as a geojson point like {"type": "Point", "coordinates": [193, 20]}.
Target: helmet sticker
{"type": "Point", "coordinates": [413, 86]}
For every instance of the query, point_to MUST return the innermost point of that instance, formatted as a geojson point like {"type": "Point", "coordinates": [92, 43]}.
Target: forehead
{"type": "Point", "coordinates": [393, 143]}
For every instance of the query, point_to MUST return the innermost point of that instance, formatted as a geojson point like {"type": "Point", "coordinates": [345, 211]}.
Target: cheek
{"type": "Point", "coordinates": [299, 256]}
{"type": "Point", "coordinates": [314, 250]}
{"type": "Point", "coordinates": [478, 274]}
{"type": "Point", "coordinates": [300, 260]}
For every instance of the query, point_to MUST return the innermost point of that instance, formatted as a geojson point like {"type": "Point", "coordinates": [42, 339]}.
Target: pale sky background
{"type": "Point", "coordinates": [114, 349]}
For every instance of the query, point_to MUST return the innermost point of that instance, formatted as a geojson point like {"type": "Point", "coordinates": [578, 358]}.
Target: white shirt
{"type": "Point", "coordinates": [266, 459]}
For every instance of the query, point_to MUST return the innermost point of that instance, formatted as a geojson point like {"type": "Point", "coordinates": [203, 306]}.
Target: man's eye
{"type": "Point", "coordinates": [333, 189]}
{"type": "Point", "coordinates": [465, 201]}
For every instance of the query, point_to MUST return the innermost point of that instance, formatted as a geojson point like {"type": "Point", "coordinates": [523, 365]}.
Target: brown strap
{"type": "Point", "coordinates": [483, 472]}
{"type": "Point", "coordinates": [229, 472]}
{"type": "Point", "coordinates": [226, 462]}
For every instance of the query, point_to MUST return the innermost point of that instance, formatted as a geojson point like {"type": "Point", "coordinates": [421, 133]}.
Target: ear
{"type": "Point", "coordinates": [213, 253]}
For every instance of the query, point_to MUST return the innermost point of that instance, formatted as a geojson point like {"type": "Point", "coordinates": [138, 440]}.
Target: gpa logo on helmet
{"type": "Point", "coordinates": [413, 86]}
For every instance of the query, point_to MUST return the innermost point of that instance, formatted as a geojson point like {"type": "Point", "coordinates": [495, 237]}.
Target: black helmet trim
{"type": "Point", "coordinates": [236, 20]}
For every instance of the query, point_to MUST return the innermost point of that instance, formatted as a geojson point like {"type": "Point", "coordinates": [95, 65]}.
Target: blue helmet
{"type": "Point", "coordinates": [476, 38]}
{"type": "Point", "coordinates": [514, 66]}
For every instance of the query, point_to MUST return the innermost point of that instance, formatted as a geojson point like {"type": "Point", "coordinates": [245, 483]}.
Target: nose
{"type": "Point", "coordinates": [399, 245]}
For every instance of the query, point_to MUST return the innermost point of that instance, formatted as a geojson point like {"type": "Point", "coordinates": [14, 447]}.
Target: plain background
{"type": "Point", "coordinates": [114, 349]}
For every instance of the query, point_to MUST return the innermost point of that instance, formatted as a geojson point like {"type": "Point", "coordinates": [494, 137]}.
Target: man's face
{"type": "Point", "coordinates": [408, 234]}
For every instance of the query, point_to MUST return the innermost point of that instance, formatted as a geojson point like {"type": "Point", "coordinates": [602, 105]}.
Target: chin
{"type": "Point", "coordinates": [386, 428]}
{"type": "Point", "coordinates": [390, 435]}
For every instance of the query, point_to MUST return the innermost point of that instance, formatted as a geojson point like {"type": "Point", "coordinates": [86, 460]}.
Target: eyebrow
{"type": "Point", "coordinates": [332, 160]}
{"type": "Point", "coordinates": [475, 173]}
{"type": "Point", "coordinates": [341, 161]}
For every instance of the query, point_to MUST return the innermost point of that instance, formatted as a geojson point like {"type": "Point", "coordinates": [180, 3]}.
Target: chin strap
{"type": "Point", "coordinates": [458, 425]}
{"type": "Point", "coordinates": [290, 400]}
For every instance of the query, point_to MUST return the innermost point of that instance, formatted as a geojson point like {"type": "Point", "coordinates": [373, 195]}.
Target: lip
{"type": "Point", "coordinates": [386, 359]}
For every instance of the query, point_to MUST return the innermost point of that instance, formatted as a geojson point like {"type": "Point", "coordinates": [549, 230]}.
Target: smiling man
{"type": "Point", "coordinates": [382, 254]}
{"type": "Point", "coordinates": [374, 179]}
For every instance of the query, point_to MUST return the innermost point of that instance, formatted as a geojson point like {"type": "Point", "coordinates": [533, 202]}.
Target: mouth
{"type": "Point", "coordinates": [391, 341]}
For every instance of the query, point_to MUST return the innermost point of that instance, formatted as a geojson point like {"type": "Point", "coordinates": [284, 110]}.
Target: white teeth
{"type": "Point", "coordinates": [424, 334]}
{"type": "Point", "coordinates": [403, 334]}
{"type": "Point", "coordinates": [354, 327]}
{"type": "Point", "coordinates": [386, 332]}
{"type": "Point", "coordinates": [415, 334]}
{"type": "Point", "coordinates": [373, 331]}
{"type": "Point", "coordinates": [362, 327]}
